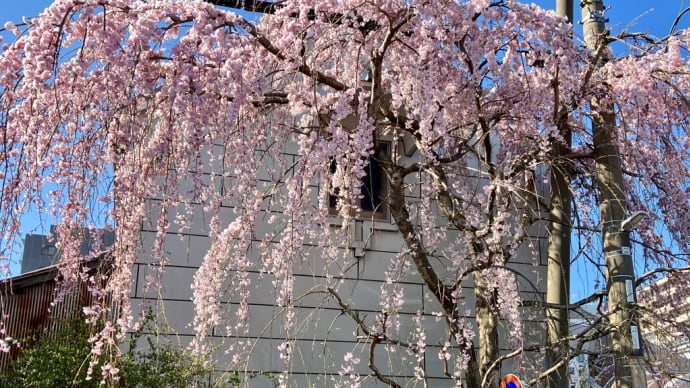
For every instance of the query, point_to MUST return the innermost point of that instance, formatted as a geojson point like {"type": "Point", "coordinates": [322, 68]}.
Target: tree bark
{"type": "Point", "coordinates": [487, 329]}
{"type": "Point", "coordinates": [442, 292]}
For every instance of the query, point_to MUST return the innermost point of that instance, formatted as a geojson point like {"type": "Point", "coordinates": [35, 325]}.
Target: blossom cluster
{"type": "Point", "coordinates": [122, 113]}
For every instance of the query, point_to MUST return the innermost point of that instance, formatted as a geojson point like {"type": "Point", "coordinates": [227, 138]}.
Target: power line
{"type": "Point", "coordinates": [259, 6]}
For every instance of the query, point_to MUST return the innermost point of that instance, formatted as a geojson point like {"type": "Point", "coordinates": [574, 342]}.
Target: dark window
{"type": "Point", "coordinates": [374, 188]}
{"type": "Point", "coordinates": [48, 250]}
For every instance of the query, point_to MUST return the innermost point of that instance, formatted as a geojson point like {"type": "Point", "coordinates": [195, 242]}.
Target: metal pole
{"type": "Point", "coordinates": [612, 206]}
{"type": "Point", "coordinates": [565, 8]}
{"type": "Point", "coordinates": [558, 271]}
{"type": "Point", "coordinates": [558, 266]}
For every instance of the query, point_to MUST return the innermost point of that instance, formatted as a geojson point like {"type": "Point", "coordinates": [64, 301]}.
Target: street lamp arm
{"type": "Point", "coordinates": [631, 222]}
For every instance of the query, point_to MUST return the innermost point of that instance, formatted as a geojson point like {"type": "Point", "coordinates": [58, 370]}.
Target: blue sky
{"type": "Point", "coordinates": [654, 16]}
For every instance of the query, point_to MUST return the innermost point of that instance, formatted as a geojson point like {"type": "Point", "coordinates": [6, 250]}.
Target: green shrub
{"type": "Point", "coordinates": [163, 365]}
{"type": "Point", "coordinates": [53, 362]}
{"type": "Point", "coordinates": [63, 361]}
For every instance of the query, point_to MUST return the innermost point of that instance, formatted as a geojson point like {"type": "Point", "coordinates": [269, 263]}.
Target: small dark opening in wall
{"type": "Point", "coordinates": [374, 187]}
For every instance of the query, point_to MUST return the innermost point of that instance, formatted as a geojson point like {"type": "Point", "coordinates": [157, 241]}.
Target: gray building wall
{"type": "Point", "coordinates": [40, 250]}
{"type": "Point", "coordinates": [322, 334]}
{"type": "Point", "coordinates": [38, 253]}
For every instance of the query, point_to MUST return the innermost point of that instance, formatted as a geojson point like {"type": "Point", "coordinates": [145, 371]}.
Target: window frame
{"type": "Point", "coordinates": [380, 211]}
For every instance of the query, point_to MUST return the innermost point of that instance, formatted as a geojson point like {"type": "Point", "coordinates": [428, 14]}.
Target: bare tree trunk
{"type": "Point", "coordinates": [487, 329]}
{"type": "Point", "coordinates": [442, 292]}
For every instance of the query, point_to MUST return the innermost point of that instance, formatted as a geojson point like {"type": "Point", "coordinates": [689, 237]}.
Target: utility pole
{"type": "Point", "coordinates": [565, 8]}
{"type": "Point", "coordinates": [615, 229]}
{"type": "Point", "coordinates": [558, 266]}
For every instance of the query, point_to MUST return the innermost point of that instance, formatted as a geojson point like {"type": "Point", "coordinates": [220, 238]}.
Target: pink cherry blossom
{"type": "Point", "coordinates": [178, 118]}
